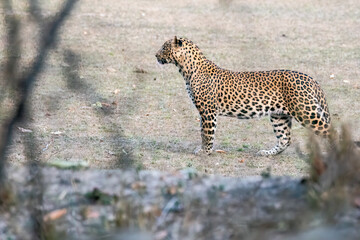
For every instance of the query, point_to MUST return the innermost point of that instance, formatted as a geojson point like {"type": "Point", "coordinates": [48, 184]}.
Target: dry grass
{"type": "Point", "coordinates": [103, 98]}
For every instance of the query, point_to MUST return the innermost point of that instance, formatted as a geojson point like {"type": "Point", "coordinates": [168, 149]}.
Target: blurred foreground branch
{"type": "Point", "coordinates": [335, 178]}
{"type": "Point", "coordinates": [22, 84]}
{"type": "Point", "coordinates": [18, 82]}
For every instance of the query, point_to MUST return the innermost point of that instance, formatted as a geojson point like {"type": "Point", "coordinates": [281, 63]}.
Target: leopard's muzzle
{"type": "Point", "coordinates": [159, 59]}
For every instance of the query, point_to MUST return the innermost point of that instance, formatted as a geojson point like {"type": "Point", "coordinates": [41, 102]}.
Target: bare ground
{"type": "Point", "coordinates": [102, 98]}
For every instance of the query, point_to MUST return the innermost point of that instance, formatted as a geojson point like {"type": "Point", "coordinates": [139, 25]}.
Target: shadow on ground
{"type": "Point", "coordinates": [84, 89]}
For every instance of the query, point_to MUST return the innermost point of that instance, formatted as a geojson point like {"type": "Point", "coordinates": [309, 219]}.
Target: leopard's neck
{"type": "Point", "coordinates": [194, 67]}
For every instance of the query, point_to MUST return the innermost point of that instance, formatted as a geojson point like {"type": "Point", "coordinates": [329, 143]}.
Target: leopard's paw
{"type": "Point", "coordinates": [199, 151]}
{"type": "Point", "coordinates": [263, 153]}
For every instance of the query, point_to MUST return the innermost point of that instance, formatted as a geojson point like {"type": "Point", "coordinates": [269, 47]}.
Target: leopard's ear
{"type": "Point", "coordinates": [177, 42]}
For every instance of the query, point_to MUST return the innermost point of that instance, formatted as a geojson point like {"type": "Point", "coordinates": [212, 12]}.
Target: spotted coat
{"type": "Point", "coordinates": [281, 94]}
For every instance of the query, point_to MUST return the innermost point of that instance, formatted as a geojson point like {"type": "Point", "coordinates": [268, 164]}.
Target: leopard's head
{"type": "Point", "coordinates": [169, 51]}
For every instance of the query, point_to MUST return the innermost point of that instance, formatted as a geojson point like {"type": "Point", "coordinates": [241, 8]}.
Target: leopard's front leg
{"type": "Point", "coordinates": [208, 128]}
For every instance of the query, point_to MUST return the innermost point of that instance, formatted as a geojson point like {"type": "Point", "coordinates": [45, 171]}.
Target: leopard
{"type": "Point", "coordinates": [283, 95]}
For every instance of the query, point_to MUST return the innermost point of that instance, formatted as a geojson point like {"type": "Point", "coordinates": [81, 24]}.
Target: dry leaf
{"type": "Point", "coordinates": [105, 104]}
{"type": "Point", "coordinates": [138, 185]}
{"type": "Point", "coordinates": [24, 130]}
{"type": "Point", "coordinates": [140, 70]}
{"type": "Point", "coordinates": [152, 210]}
{"type": "Point", "coordinates": [241, 161]}
{"type": "Point", "coordinates": [110, 152]}
{"type": "Point", "coordinates": [357, 202]}
{"type": "Point", "coordinates": [57, 133]}
{"type": "Point", "coordinates": [220, 151]}
{"type": "Point", "coordinates": [53, 215]}
{"type": "Point", "coordinates": [162, 235]}
{"type": "Point", "coordinates": [110, 69]}
{"type": "Point", "coordinates": [91, 213]}
{"type": "Point", "coordinates": [172, 190]}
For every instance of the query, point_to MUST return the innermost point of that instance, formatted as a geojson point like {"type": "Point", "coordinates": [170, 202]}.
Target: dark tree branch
{"type": "Point", "coordinates": [13, 42]}
{"type": "Point", "coordinates": [22, 86]}
{"type": "Point", "coordinates": [26, 81]}
{"type": "Point", "coordinates": [35, 11]}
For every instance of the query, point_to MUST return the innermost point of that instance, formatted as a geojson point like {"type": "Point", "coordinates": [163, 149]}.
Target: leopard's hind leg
{"type": "Point", "coordinates": [314, 116]}
{"type": "Point", "coordinates": [282, 125]}
{"type": "Point", "coordinates": [318, 124]}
